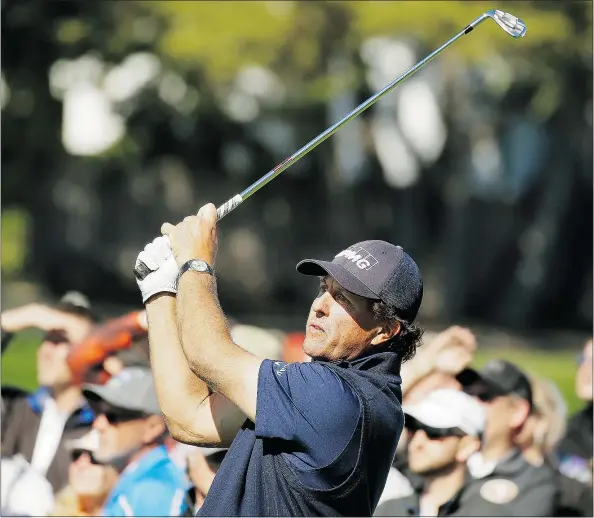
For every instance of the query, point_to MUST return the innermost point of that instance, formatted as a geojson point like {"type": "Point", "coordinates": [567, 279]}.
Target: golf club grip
{"type": "Point", "coordinates": [141, 270]}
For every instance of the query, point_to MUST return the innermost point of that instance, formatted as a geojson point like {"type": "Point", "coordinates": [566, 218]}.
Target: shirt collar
{"type": "Point", "coordinates": [384, 362]}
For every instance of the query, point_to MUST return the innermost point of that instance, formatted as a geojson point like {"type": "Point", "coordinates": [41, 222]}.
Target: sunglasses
{"type": "Point", "coordinates": [77, 454]}
{"type": "Point", "coordinates": [116, 415]}
{"type": "Point", "coordinates": [56, 337]}
{"type": "Point", "coordinates": [434, 434]}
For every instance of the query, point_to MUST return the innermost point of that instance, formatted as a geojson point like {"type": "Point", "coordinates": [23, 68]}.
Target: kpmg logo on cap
{"type": "Point", "coordinates": [358, 255]}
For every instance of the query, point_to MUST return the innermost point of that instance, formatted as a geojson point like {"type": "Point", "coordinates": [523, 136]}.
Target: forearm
{"type": "Point", "coordinates": [224, 366]}
{"type": "Point", "coordinates": [179, 390]}
{"type": "Point", "coordinates": [203, 331]}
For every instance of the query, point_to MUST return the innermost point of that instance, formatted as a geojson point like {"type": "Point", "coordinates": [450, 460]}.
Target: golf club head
{"type": "Point", "coordinates": [508, 22]}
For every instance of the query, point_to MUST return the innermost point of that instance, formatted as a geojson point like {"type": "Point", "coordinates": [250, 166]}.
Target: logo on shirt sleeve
{"type": "Point", "coordinates": [280, 368]}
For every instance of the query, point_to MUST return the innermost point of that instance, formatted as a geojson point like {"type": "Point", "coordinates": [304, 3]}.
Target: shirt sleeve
{"type": "Point", "coordinates": [153, 497]}
{"type": "Point", "coordinates": [308, 404]}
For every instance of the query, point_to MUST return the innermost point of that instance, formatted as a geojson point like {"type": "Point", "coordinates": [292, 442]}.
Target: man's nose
{"type": "Point", "coordinates": [321, 304]}
{"type": "Point", "coordinates": [100, 422]}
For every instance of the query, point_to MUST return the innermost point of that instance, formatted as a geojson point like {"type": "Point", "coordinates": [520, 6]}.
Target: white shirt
{"type": "Point", "coordinates": [24, 491]}
{"type": "Point", "coordinates": [48, 438]}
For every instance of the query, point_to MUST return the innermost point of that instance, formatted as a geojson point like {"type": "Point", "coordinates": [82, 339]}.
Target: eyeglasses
{"type": "Point", "coordinates": [434, 434]}
{"type": "Point", "coordinates": [77, 454]}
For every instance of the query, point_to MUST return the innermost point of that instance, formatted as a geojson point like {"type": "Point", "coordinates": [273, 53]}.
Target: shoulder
{"type": "Point", "coordinates": [313, 377]}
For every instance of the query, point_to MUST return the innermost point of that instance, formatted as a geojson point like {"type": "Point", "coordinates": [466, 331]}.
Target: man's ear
{"type": "Point", "coordinates": [154, 428]}
{"type": "Point", "coordinates": [386, 332]}
{"type": "Point", "coordinates": [468, 445]}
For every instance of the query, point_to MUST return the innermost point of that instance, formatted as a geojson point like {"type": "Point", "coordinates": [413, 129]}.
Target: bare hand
{"type": "Point", "coordinates": [195, 237]}
{"type": "Point", "coordinates": [452, 350]}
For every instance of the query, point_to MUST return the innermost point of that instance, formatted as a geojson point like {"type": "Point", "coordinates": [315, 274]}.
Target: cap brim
{"type": "Point", "coordinates": [94, 392]}
{"type": "Point", "coordinates": [468, 377]}
{"type": "Point", "coordinates": [342, 276]}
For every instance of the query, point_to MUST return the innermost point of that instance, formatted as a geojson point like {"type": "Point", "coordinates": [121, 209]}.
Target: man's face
{"type": "Point", "coordinates": [583, 380]}
{"type": "Point", "coordinates": [120, 432]}
{"type": "Point", "coordinates": [502, 411]}
{"type": "Point", "coordinates": [429, 454]}
{"type": "Point", "coordinates": [88, 478]}
{"type": "Point", "coordinates": [340, 324]}
{"type": "Point", "coordinates": [52, 369]}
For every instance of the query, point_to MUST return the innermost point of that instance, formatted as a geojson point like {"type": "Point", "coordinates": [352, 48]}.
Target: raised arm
{"type": "Point", "coordinates": [212, 355]}
{"type": "Point", "coordinates": [192, 412]}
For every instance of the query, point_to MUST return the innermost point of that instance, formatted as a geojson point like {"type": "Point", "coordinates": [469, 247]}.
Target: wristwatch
{"type": "Point", "coordinates": [196, 265]}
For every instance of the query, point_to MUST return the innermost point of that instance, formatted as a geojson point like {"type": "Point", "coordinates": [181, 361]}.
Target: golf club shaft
{"type": "Point", "coordinates": [236, 200]}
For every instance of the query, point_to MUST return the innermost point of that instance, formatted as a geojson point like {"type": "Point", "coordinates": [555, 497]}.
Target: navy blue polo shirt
{"type": "Point", "coordinates": [322, 445]}
{"type": "Point", "coordinates": [319, 424]}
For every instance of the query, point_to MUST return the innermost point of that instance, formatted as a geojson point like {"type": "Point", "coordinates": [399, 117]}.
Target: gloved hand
{"type": "Point", "coordinates": [159, 258]}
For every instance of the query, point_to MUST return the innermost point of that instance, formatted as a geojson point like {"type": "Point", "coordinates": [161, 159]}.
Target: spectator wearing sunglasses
{"type": "Point", "coordinates": [37, 425]}
{"type": "Point", "coordinates": [499, 472]}
{"type": "Point", "coordinates": [89, 481]}
{"type": "Point", "coordinates": [131, 439]}
{"type": "Point", "coordinates": [444, 430]}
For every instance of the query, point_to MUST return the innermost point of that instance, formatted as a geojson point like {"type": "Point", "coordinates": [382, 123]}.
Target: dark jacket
{"type": "Point", "coordinates": [20, 425]}
{"type": "Point", "coordinates": [525, 489]}
{"type": "Point", "coordinates": [410, 506]}
{"type": "Point", "coordinates": [574, 461]}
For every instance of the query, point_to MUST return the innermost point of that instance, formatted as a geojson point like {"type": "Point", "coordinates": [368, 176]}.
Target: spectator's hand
{"type": "Point", "coordinates": [34, 315]}
{"type": "Point", "coordinates": [452, 350]}
{"type": "Point", "coordinates": [199, 471]}
{"type": "Point", "coordinates": [195, 237]}
{"type": "Point", "coordinates": [159, 257]}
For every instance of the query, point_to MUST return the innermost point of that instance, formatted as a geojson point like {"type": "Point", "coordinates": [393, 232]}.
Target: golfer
{"type": "Point", "coordinates": [305, 439]}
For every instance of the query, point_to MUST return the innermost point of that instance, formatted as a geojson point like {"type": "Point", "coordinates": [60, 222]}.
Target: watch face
{"type": "Point", "coordinates": [199, 266]}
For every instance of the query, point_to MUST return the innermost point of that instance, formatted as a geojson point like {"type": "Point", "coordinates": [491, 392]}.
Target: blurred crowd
{"type": "Point", "coordinates": [91, 440]}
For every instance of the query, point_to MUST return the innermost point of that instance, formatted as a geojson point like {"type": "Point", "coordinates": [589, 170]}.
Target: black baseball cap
{"type": "Point", "coordinates": [499, 377]}
{"type": "Point", "coordinates": [375, 270]}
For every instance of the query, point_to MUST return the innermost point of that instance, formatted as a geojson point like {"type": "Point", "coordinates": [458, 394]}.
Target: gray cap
{"type": "Point", "coordinates": [131, 389]}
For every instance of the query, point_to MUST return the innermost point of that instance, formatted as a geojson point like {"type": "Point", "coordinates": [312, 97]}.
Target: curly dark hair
{"type": "Point", "coordinates": [410, 335]}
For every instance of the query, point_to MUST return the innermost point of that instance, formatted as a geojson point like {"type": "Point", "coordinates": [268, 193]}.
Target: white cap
{"type": "Point", "coordinates": [449, 408]}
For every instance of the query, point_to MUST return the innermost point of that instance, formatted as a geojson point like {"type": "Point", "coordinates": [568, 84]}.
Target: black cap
{"type": "Point", "coordinates": [501, 376]}
{"type": "Point", "coordinates": [375, 270]}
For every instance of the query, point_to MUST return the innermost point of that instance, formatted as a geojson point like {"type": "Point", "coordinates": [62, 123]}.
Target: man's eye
{"type": "Point", "coordinates": [322, 289]}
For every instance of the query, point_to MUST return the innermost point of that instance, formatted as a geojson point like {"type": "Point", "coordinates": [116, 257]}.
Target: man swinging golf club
{"type": "Point", "coordinates": [306, 439]}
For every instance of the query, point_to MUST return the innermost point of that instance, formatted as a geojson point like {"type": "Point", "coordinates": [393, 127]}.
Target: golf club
{"type": "Point", "coordinates": [509, 23]}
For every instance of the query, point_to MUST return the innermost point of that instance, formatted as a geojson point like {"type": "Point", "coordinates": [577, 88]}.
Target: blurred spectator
{"type": "Point", "coordinates": [434, 367]}
{"type": "Point", "coordinates": [445, 429]}
{"type": "Point", "coordinates": [263, 343]}
{"type": "Point", "coordinates": [106, 349]}
{"type": "Point", "coordinates": [437, 362]}
{"type": "Point", "coordinates": [89, 482]}
{"type": "Point", "coordinates": [575, 449]}
{"type": "Point", "coordinates": [131, 435]}
{"type": "Point", "coordinates": [499, 472]}
{"type": "Point", "coordinates": [19, 481]}
{"type": "Point", "coordinates": [546, 423]}
{"type": "Point", "coordinates": [36, 425]}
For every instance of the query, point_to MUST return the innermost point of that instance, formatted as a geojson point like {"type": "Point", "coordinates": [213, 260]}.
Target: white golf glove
{"type": "Point", "coordinates": [159, 257]}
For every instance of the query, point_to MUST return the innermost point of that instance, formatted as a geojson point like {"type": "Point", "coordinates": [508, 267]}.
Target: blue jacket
{"type": "Point", "coordinates": [151, 486]}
